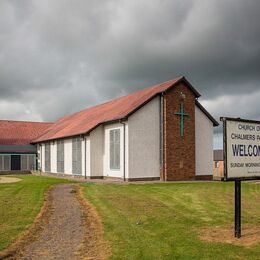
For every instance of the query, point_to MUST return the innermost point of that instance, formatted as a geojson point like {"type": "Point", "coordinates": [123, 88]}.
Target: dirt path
{"type": "Point", "coordinates": [64, 231]}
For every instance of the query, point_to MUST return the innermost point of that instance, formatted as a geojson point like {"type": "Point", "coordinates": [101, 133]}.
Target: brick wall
{"type": "Point", "coordinates": [179, 152]}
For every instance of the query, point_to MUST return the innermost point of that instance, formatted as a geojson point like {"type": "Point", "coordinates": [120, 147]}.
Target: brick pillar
{"type": "Point", "coordinates": [179, 152]}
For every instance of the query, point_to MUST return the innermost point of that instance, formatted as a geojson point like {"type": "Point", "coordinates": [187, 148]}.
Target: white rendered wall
{"type": "Point", "coordinates": [53, 156]}
{"type": "Point", "coordinates": [119, 173]}
{"type": "Point", "coordinates": [204, 143]}
{"type": "Point", "coordinates": [68, 156]}
{"type": "Point", "coordinates": [144, 141]}
{"type": "Point", "coordinates": [96, 150]}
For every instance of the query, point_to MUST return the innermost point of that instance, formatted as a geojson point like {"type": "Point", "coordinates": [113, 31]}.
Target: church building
{"type": "Point", "coordinates": [159, 133]}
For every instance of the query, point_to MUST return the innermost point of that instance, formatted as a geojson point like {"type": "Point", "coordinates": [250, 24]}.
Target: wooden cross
{"type": "Point", "coordinates": [182, 115]}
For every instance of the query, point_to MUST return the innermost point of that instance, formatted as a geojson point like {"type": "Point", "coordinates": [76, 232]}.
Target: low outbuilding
{"type": "Point", "coordinates": [16, 151]}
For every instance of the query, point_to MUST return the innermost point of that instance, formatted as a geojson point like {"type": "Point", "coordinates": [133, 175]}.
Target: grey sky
{"type": "Point", "coordinates": [57, 57]}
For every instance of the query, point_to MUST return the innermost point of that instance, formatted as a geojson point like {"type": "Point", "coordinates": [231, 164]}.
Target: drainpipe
{"type": "Point", "coordinates": [85, 157]}
{"type": "Point", "coordinates": [162, 136]}
{"type": "Point", "coordinates": [124, 147]}
{"type": "Point", "coordinates": [36, 159]}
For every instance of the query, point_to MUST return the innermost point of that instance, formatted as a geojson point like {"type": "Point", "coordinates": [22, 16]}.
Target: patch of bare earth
{"type": "Point", "coordinates": [4, 179]}
{"type": "Point", "coordinates": [94, 243]}
{"type": "Point", "coordinates": [250, 235]}
{"type": "Point", "coordinates": [63, 232]}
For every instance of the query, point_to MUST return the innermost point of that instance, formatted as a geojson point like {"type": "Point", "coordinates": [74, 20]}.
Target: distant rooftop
{"type": "Point", "coordinates": [218, 155]}
{"type": "Point", "coordinates": [21, 132]}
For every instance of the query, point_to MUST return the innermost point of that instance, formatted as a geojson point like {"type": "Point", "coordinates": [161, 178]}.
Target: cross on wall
{"type": "Point", "coordinates": [182, 115]}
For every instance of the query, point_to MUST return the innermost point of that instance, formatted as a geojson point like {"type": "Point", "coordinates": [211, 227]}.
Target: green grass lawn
{"type": "Point", "coordinates": [160, 221]}
{"type": "Point", "coordinates": [20, 203]}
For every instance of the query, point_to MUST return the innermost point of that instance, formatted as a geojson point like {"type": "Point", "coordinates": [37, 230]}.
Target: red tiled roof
{"type": "Point", "coordinates": [87, 119]}
{"type": "Point", "coordinates": [21, 132]}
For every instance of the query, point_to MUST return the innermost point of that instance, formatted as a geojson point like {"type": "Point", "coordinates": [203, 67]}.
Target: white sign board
{"type": "Point", "coordinates": [241, 149]}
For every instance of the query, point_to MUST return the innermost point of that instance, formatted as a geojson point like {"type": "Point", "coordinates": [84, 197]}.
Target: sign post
{"type": "Point", "coordinates": [241, 139]}
{"type": "Point", "coordinates": [238, 208]}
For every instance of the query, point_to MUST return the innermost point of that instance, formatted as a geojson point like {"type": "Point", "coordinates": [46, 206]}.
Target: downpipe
{"type": "Point", "coordinates": [124, 148]}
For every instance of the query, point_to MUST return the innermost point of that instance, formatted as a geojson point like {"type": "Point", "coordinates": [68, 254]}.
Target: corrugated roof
{"type": "Point", "coordinates": [86, 120]}
{"type": "Point", "coordinates": [21, 132]}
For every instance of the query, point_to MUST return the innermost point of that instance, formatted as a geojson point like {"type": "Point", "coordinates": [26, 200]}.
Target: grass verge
{"type": "Point", "coordinates": [165, 220]}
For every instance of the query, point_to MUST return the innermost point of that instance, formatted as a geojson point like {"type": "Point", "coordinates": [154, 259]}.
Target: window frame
{"type": "Point", "coordinates": [115, 149]}
{"type": "Point", "coordinates": [7, 163]}
{"type": "Point", "coordinates": [28, 162]}
{"type": "Point", "coordinates": [60, 156]}
{"type": "Point", "coordinates": [49, 157]}
{"type": "Point", "coordinates": [77, 156]}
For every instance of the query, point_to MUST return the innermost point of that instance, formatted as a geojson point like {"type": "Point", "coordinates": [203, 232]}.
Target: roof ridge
{"type": "Point", "coordinates": [25, 121]}
{"type": "Point", "coordinates": [87, 119]}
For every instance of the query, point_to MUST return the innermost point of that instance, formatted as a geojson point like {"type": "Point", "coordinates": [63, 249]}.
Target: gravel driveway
{"type": "Point", "coordinates": [64, 231]}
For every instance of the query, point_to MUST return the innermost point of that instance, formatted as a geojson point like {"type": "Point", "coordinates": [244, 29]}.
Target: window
{"type": "Point", "coordinates": [28, 162]}
{"type": "Point", "coordinates": [31, 159]}
{"type": "Point", "coordinates": [216, 164]}
{"type": "Point", "coordinates": [60, 156]}
{"type": "Point", "coordinates": [47, 157]}
{"type": "Point", "coordinates": [7, 162]}
{"type": "Point", "coordinates": [24, 165]}
{"type": "Point", "coordinates": [1, 163]}
{"type": "Point", "coordinates": [76, 156]}
{"type": "Point", "coordinates": [114, 137]}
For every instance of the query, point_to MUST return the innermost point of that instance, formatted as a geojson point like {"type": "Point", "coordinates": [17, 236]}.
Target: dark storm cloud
{"type": "Point", "coordinates": [57, 57]}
